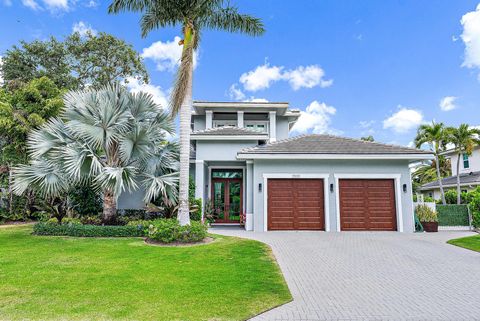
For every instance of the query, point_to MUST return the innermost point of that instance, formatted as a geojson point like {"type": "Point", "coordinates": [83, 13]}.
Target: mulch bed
{"type": "Point", "coordinates": [158, 243]}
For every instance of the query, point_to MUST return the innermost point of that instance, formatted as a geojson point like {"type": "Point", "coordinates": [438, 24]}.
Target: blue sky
{"type": "Point", "coordinates": [354, 68]}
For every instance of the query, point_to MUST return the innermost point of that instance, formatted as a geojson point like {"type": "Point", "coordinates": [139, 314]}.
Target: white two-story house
{"type": "Point", "coordinates": [245, 164]}
{"type": "Point", "coordinates": [469, 174]}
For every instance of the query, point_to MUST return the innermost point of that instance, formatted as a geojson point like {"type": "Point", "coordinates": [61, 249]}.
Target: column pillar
{"type": "Point", "coordinates": [249, 196]}
{"type": "Point", "coordinates": [208, 119]}
{"type": "Point", "coordinates": [240, 118]}
{"type": "Point", "coordinates": [273, 125]}
{"type": "Point", "coordinates": [199, 179]}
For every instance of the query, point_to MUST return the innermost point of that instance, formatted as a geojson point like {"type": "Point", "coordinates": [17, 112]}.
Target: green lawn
{"type": "Point", "coordinates": [46, 278]}
{"type": "Point", "coordinates": [469, 242]}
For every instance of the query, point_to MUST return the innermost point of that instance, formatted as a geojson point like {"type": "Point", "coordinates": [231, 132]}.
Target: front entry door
{"type": "Point", "coordinates": [227, 197]}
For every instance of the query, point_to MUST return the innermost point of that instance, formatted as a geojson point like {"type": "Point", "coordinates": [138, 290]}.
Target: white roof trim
{"type": "Point", "coordinates": [333, 156]}
{"type": "Point", "coordinates": [229, 137]}
{"type": "Point", "coordinates": [430, 188]}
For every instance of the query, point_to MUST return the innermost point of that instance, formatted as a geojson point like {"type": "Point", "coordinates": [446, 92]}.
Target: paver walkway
{"type": "Point", "coordinates": [373, 275]}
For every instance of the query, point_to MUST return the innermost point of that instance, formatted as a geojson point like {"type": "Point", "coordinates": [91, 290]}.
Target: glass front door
{"type": "Point", "coordinates": [227, 196]}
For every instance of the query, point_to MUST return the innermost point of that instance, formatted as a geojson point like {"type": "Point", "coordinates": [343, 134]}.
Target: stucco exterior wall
{"type": "Point", "coordinates": [474, 162]}
{"type": "Point", "coordinates": [221, 150]}
{"type": "Point", "coordinates": [330, 168]}
{"type": "Point", "coordinates": [282, 127]}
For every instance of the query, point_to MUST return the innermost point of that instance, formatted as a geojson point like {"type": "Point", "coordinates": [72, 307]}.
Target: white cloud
{"type": "Point", "coordinates": [316, 118]}
{"type": "Point", "coordinates": [366, 126]}
{"type": "Point", "coordinates": [471, 38]}
{"type": "Point", "coordinates": [92, 4]}
{"type": "Point", "coordinates": [256, 100]}
{"type": "Point", "coordinates": [52, 5]}
{"type": "Point", "coordinates": [307, 77]}
{"type": "Point", "coordinates": [448, 103]}
{"type": "Point", "coordinates": [83, 28]}
{"type": "Point", "coordinates": [236, 93]}
{"type": "Point", "coordinates": [263, 76]}
{"type": "Point", "coordinates": [166, 55]}
{"type": "Point", "coordinates": [403, 120]}
{"type": "Point", "coordinates": [159, 95]}
{"type": "Point", "coordinates": [32, 4]}
{"type": "Point", "coordinates": [56, 4]}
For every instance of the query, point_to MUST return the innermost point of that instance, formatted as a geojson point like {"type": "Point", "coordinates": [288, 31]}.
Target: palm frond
{"type": "Point", "coordinates": [129, 5]}
{"type": "Point", "coordinates": [229, 19]}
{"type": "Point", "coordinates": [43, 176]}
{"type": "Point", "coordinates": [117, 179]}
{"type": "Point", "coordinates": [160, 186]}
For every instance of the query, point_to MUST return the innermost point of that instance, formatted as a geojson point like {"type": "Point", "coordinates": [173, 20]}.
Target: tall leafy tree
{"type": "Point", "coordinates": [435, 136]}
{"type": "Point", "coordinates": [78, 61]}
{"type": "Point", "coordinates": [110, 137]}
{"type": "Point", "coordinates": [193, 17]}
{"type": "Point", "coordinates": [22, 110]}
{"type": "Point", "coordinates": [464, 138]}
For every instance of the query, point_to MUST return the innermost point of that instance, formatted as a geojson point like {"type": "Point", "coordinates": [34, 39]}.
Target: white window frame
{"type": "Point", "coordinates": [398, 191]}
{"type": "Point", "coordinates": [224, 123]}
{"type": "Point", "coordinates": [255, 123]}
{"type": "Point", "coordinates": [326, 205]}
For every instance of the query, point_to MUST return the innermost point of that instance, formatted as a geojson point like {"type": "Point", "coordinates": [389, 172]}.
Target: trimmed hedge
{"type": "Point", "coordinates": [87, 230]}
{"type": "Point", "coordinates": [170, 230]}
{"type": "Point", "coordinates": [453, 215]}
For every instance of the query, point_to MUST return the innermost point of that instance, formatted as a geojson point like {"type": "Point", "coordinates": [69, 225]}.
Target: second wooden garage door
{"type": "Point", "coordinates": [295, 204]}
{"type": "Point", "coordinates": [367, 204]}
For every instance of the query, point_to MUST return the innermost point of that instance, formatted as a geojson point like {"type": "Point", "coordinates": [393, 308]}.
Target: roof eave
{"type": "Point", "coordinates": [229, 137]}
{"type": "Point", "coordinates": [409, 157]}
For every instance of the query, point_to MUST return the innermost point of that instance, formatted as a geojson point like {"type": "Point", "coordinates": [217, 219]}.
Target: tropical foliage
{"type": "Point", "coordinates": [109, 137]}
{"type": "Point", "coordinates": [193, 17]}
{"type": "Point", "coordinates": [464, 138]}
{"type": "Point", "coordinates": [436, 137]}
{"type": "Point", "coordinates": [94, 60]}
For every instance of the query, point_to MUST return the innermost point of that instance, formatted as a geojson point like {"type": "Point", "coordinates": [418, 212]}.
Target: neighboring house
{"type": "Point", "coordinates": [469, 174]}
{"type": "Point", "coordinates": [244, 164]}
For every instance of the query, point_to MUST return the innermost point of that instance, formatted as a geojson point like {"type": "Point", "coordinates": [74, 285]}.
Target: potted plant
{"type": "Point", "coordinates": [428, 218]}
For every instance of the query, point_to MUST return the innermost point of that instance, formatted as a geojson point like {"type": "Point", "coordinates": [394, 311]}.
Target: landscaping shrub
{"type": "Point", "coordinates": [70, 220]}
{"type": "Point", "coordinates": [86, 230]}
{"type": "Point", "coordinates": [85, 200]}
{"type": "Point", "coordinates": [196, 209]}
{"type": "Point", "coordinates": [426, 214]}
{"type": "Point", "coordinates": [52, 220]}
{"type": "Point", "coordinates": [452, 215]}
{"type": "Point", "coordinates": [475, 208]}
{"type": "Point", "coordinates": [169, 230]}
{"type": "Point", "coordinates": [91, 220]}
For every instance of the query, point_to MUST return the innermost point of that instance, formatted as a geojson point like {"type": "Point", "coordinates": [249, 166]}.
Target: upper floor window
{"type": "Point", "coordinates": [466, 162]}
{"type": "Point", "coordinates": [260, 126]}
{"type": "Point", "coordinates": [224, 123]}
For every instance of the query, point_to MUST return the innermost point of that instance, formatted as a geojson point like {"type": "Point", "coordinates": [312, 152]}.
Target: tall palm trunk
{"type": "Point", "coordinates": [109, 207]}
{"type": "Point", "coordinates": [459, 196]}
{"type": "Point", "coordinates": [440, 179]}
{"type": "Point", "coordinates": [185, 119]}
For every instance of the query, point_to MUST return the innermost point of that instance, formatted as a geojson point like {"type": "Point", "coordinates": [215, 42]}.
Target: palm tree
{"type": "Point", "coordinates": [464, 138]}
{"type": "Point", "coordinates": [193, 16]}
{"type": "Point", "coordinates": [435, 136]}
{"type": "Point", "coordinates": [110, 137]}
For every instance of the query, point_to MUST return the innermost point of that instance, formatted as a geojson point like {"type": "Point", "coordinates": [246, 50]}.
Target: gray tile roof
{"type": "Point", "coordinates": [228, 131]}
{"type": "Point", "coordinates": [472, 178]}
{"type": "Point", "coordinates": [328, 144]}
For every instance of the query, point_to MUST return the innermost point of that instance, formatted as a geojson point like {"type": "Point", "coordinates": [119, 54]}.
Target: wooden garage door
{"type": "Point", "coordinates": [295, 204]}
{"type": "Point", "coordinates": [367, 204]}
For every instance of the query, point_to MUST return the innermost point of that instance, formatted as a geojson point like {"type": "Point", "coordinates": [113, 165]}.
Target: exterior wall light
{"type": "Point", "coordinates": [404, 188]}
{"type": "Point", "coordinates": [331, 188]}
{"type": "Point", "coordinates": [260, 187]}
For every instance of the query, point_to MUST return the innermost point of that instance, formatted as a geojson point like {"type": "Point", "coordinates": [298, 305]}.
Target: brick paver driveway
{"type": "Point", "coordinates": [373, 275]}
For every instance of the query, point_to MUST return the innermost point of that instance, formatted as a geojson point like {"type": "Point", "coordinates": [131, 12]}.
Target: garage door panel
{"type": "Point", "coordinates": [367, 204]}
{"type": "Point", "coordinates": [295, 204]}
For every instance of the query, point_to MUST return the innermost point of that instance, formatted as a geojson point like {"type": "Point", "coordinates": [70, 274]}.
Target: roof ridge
{"type": "Point", "coordinates": [369, 142]}
{"type": "Point", "coordinates": [273, 143]}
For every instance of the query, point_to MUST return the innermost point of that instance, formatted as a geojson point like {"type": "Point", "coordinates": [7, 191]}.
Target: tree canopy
{"type": "Point", "coordinates": [76, 62]}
